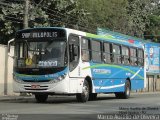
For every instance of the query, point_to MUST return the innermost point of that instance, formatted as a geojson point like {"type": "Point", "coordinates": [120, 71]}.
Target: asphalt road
{"type": "Point", "coordinates": [139, 106]}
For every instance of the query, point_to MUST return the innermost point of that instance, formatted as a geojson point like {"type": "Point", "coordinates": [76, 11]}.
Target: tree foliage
{"type": "Point", "coordinates": [132, 17]}
{"type": "Point", "coordinates": [153, 29]}
{"type": "Point", "coordinates": [41, 13]}
{"type": "Point", "coordinates": [125, 16]}
{"type": "Point", "coordinates": [138, 12]}
{"type": "Point", "coordinates": [105, 13]}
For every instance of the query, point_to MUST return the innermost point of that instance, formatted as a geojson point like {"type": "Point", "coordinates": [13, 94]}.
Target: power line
{"type": "Point", "coordinates": [59, 18]}
{"type": "Point", "coordinates": [65, 15]}
{"type": "Point", "coordinates": [58, 14]}
{"type": "Point", "coordinates": [5, 4]}
{"type": "Point", "coordinates": [13, 18]}
{"type": "Point", "coordinates": [14, 21]}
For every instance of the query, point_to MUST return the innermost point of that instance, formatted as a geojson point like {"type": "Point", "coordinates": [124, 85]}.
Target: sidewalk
{"type": "Point", "coordinates": [30, 97]}
{"type": "Point", "coordinates": [14, 97]}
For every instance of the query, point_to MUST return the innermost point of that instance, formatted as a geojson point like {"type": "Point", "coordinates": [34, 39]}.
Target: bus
{"type": "Point", "coordinates": [63, 61]}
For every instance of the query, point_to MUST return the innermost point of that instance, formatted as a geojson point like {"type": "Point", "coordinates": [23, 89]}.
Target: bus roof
{"type": "Point", "coordinates": [105, 35]}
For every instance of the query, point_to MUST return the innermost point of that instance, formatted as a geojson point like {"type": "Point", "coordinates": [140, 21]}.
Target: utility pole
{"type": "Point", "coordinates": [25, 23]}
{"type": "Point", "coordinates": [26, 9]}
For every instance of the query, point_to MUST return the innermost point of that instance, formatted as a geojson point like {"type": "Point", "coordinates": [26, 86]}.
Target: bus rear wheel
{"type": "Point", "coordinates": [126, 93]}
{"type": "Point", "coordinates": [41, 98]}
{"type": "Point", "coordinates": [84, 96]}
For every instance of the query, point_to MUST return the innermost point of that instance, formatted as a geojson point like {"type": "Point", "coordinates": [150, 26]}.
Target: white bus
{"type": "Point", "coordinates": [50, 61]}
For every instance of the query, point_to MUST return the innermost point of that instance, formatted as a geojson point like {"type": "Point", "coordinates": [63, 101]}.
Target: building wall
{"type": "Point", "coordinates": [6, 72]}
{"type": "Point", "coordinates": [158, 84]}
{"type": "Point", "coordinates": [2, 68]}
{"type": "Point", "coordinates": [152, 84]}
{"type": "Point", "coordinates": [10, 72]}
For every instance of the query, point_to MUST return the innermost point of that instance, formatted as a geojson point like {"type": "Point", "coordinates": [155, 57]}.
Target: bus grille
{"type": "Point", "coordinates": [40, 87]}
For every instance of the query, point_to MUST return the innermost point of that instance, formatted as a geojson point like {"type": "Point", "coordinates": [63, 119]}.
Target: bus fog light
{"type": "Point", "coordinates": [61, 77]}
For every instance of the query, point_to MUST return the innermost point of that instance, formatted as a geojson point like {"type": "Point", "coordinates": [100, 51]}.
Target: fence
{"type": "Point", "coordinates": [152, 84]}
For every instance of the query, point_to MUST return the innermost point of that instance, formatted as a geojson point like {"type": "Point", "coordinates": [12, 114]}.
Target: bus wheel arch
{"type": "Point", "coordinates": [92, 96]}
{"type": "Point", "coordinates": [127, 89]}
{"type": "Point", "coordinates": [129, 82]}
{"type": "Point", "coordinates": [89, 80]}
{"type": "Point", "coordinates": [84, 96]}
{"type": "Point", "coordinates": [86, 90]}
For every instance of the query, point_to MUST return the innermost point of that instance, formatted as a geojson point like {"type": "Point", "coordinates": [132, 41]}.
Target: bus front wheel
{"type": "Point", "coordinates": [126, 93]}
{"type": "Point", "coordinates": [41, 98]}
{"type": "Point", "coordinates": [84, 96]}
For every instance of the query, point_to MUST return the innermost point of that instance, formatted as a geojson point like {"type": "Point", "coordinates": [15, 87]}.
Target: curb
{"type": "Point", "coordinates": [16, 98]}
{"type": "Point", "coordinates": [10, 98]}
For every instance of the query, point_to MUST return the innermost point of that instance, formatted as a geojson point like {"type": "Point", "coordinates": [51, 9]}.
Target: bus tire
{"type": "Point", "coordinates": [126, 93]}
{"type": "Point", "coordinates": [92, 96]}
{"type": "Point", "coordinates": [84, 96]}
{"type": "Point", "coordinates": [41, 98]}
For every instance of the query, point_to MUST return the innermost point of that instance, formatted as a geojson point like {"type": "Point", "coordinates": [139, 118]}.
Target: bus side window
{"type": "Point", "coordinates": [107, 53]}
{"type": "Point", "coordinates": [133, 56]}
{"type": "Point", "coordinates": [140, 57]}
{"type": "Point", "coordinates": [85, 49]}
{"type": "Point", "coordinates": [96, 51]}
{"type": "Point", "coordinates": [125, 55]}
{"type": "Point", "coordinates": [116, 51]}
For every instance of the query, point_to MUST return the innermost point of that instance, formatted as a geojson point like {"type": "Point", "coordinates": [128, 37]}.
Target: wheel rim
{"type": "Point", "coordinates": [85, 91]}
{"type": "Point", "coordinates": [128, 90]}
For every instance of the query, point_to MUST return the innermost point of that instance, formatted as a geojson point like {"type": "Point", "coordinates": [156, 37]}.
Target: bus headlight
{"type": "Point", "coordinates": [60, 78]}
{"type": "Point", "coordinates": [16, 79]}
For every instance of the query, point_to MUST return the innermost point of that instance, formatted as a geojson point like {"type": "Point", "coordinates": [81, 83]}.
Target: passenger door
{"type": "Point", "coordinates": [74, 53]}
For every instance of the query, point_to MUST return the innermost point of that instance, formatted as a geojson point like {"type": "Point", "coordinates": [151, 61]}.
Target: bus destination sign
{"type": "Point", "coordinates": [40, 33]}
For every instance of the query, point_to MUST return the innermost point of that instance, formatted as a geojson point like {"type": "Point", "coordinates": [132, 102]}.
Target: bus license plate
{"type": "Point", "coordinates": [35, 86]}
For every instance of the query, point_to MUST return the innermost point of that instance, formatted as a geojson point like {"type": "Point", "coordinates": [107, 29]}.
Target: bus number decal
{"type": "Point", "coordinates": [102, 71]}
{"type": "Point", "coordinates": [47, 63]}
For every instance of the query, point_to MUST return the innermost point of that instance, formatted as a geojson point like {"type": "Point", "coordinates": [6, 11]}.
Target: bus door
{"type": "Point", "coordinates": [74, 53]}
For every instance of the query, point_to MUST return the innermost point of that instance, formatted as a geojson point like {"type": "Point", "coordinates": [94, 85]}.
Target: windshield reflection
{"type": "Point", "coordinates": [40, 54]}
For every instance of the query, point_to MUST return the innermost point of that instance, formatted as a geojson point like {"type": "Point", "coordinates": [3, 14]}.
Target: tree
{"type": "Point", "coordinates": [104, 13]}
{"type": "Point", "coordinates": [41, 13]}
{"type": "Point", "coordinates": [153, 29]}
{"type": "Point", "coordinates": [131, 17]}
{"type": "Point", "coordinates": [11, 18]}
{"type": "Point", "coordinates": [125, 16]}
{"type": "Point", "coordinates": [138, 12]}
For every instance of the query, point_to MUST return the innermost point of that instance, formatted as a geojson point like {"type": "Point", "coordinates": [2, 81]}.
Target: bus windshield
{"type": "Point", "coordinates": [48, 54]}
